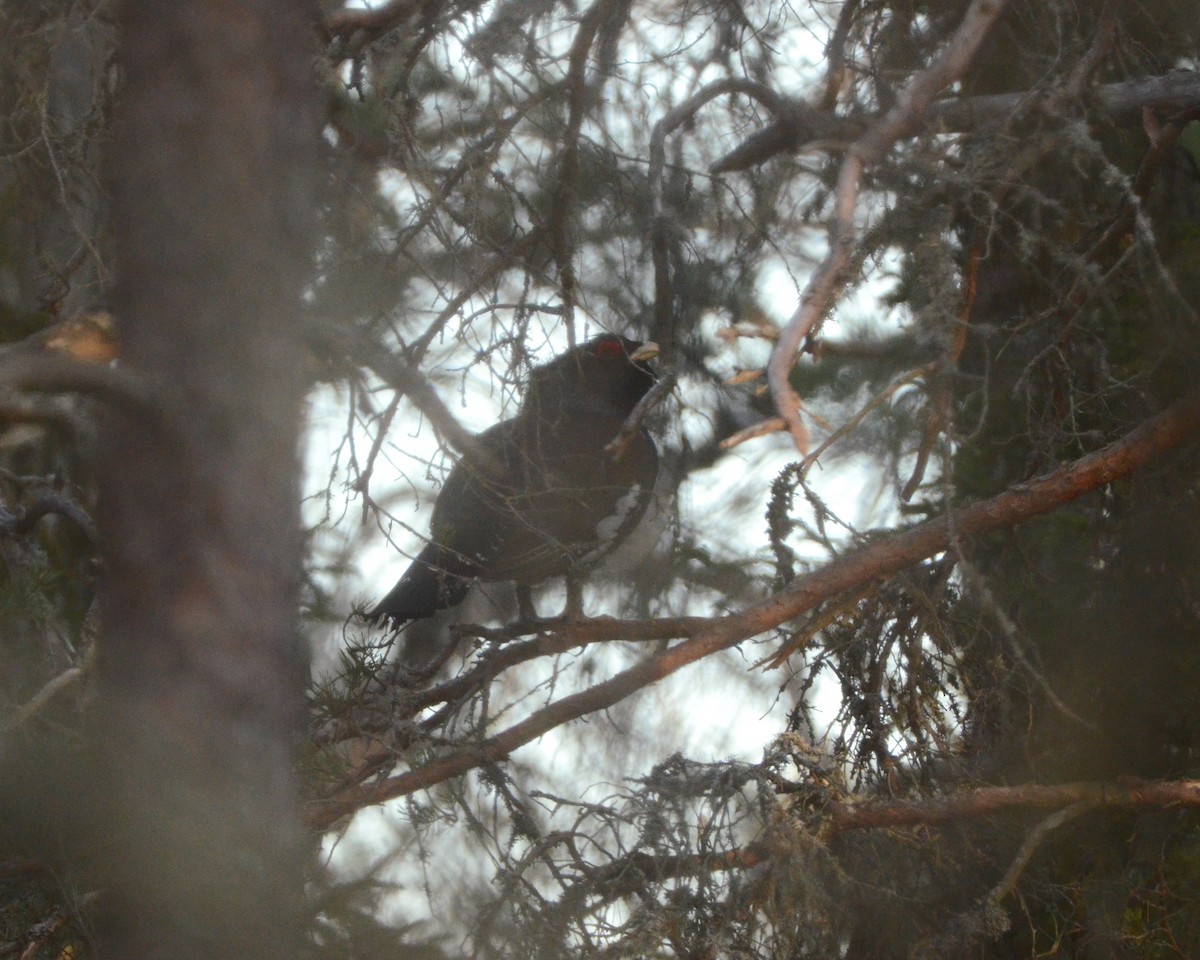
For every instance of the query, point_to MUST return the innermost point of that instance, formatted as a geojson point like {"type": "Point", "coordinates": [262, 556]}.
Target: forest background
{"type": "Point", "coordinates": [902, 664]}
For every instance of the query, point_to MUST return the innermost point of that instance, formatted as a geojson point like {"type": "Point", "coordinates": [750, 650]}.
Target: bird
{"type": "Point", "coordinates": [549, 494]}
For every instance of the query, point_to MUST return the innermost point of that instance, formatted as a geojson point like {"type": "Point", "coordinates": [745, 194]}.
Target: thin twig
{"type": "Point", "coordinates": [761, 429]}
{"type": "Point", "coordinates": [408, 381]}
{"type": "Point", "coordinates": [941, 412]}
{"type": "Point", "coordinates": [879, 398]}
{"type": "Point", "coordinates": [39, 701]}
{"type": "Point", "coordinates": [975, 583]}
{"type": "Point", "coordinates": [615, 448]}
{"type": "Point", "coordinates": [661, 223]}
{"type": "Point", "coordinates": [1034, 840]}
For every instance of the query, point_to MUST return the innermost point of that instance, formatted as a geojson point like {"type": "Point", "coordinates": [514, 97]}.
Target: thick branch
{"type": "Point", "coordinates": [874, 561]}
{"type": "Point", "coordinates": [56, 373]}
{"type": "Point", "coordinates": [984, 801]}
{"type": "Point", "coordinates": [73, 356]}
{"type": "Point", "coordinates": [1068, 800]}
{"type": "Point", "coordinates": [844, 816]}
{"type": "Point", "coordinates": [798, 125]}
{"type": "Point", "coordinates": [1175, 92]}
{"type": "Point", "coordinates": [905, 118]}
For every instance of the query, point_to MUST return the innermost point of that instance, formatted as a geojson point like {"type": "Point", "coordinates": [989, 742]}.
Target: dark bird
{"type": "Point", "coordinates": [546, 499]}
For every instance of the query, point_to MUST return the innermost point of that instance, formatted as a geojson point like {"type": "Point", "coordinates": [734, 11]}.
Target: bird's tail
{"type": "Point", "coordinates": [436, 579]}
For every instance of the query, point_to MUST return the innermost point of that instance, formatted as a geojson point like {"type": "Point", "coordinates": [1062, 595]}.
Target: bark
{"type": "Point", "coordinates": [201, 672]}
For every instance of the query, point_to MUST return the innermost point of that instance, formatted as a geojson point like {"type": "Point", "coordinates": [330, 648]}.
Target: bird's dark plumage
{"type": "Point", "coordinates": [550, 501]}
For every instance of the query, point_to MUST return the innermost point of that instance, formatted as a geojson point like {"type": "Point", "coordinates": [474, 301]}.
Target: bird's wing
{"type": "Point", "coordinates": [464, 536]}
{"type": "Point", "coordinates": [576, 502]}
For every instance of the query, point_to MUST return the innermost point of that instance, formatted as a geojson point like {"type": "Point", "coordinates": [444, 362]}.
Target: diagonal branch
{"type": "Point", "coordinates": [828, 280]}
{"type": "Point", "coordinates": [873, 561]}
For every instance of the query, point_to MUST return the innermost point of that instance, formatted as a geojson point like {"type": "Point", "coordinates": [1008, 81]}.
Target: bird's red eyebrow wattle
{"type": "Point", "coordinates": [610, 348]}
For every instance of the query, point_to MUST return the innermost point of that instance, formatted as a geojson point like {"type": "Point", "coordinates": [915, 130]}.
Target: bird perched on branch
{"type": "Point", "coordinates": [549, 492]}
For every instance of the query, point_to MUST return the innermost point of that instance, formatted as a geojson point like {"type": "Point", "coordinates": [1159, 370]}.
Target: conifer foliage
{"type": "Point", "coordinates": [900, 660]}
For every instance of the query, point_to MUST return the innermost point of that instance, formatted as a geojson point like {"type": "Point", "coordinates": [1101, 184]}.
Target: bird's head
{"type": "Point", "coordinates": [608, 374]}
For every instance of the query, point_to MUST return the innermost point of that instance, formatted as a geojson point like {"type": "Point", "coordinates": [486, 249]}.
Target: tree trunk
{"type": "Point", "coordinates": [201, 672]}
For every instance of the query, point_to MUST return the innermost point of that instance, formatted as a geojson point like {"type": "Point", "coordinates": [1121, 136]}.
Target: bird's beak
{"type": "Point", "coordinates": [647, 351]}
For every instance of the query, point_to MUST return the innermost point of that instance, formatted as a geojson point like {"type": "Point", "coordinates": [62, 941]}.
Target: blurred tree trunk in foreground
{"type": "Point", "coordinates": [201, 672]}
